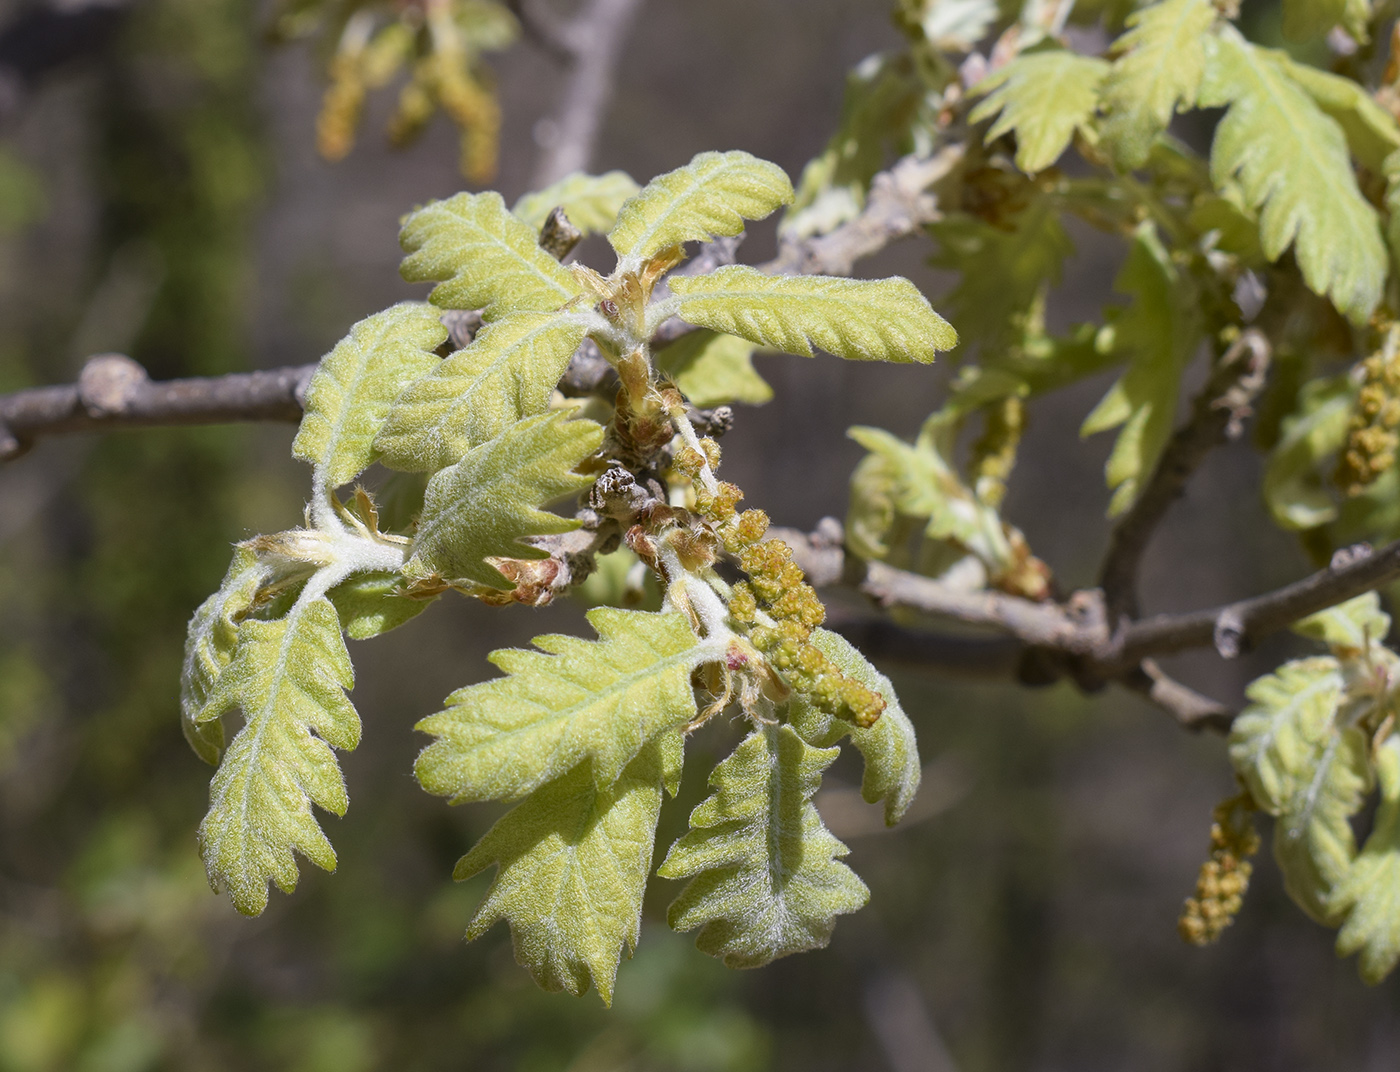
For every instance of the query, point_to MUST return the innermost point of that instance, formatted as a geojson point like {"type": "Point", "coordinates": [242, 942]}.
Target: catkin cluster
{"type": "Point", "coordinates": [1372, 437]}
{"type": "Point", "coordinates": [777, 587]}
{"type": "Point", "coordinates": [1224, 878]}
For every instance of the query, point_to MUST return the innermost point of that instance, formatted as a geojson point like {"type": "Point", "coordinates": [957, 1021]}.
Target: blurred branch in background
{"type": "Point", "coordinates": [45, 38]}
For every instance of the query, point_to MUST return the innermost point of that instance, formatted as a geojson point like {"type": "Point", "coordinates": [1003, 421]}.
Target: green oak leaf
{"type": "Point", "coordinates": [1349, 628]}
{"type": "Point", "coordinates": [711, 196]}
{"type": "Point", "coordinates": [573, 861]}
{"type": "Point", "coordinates": [1307, 771]}
{"type": "Point", "coordinates": [858, 319]}
{"type": "Point", "coordinates": [766, 879]}
{"type": "Point", "coordinates": [590, 201]}
{"type": "Point", "coordinates": [1295, 485]}
{"type": "Point", "coordinates": [288, 677]}
{"type": "Point", "coordinates": [353, 387]}
{"type": "Point", "coordinates": [486, 503]}
{"type": "Point", "coordinates": [209, 645]}
{"type": "Point", "coordinates": [372, 603]}
{"type": "Point", "coordinates": [1303, 19]}
{"type": "Point", "coordinates": [1371, 132]}
{"type": "Point", "coordinates": [714, 369]}
{"type": "Point", "coordinates": [1160, 331]}
{"type": "Point", "coordinates": [1044, 98]}
{"type": "Point", "coordinates": [1291, 162]}
{"type": "Point", "coordinates": [508, 372]}
{"type": "Point", "coordinates": [482, 257]}
{"type": "Point", "coordinates": [574, 700]}
{"type": "Point", "coordinates": [1158, 74]}
{"type": "Point", "coordinates": [1368, 897]}
{"type": "Point", "coordinates": [890, 750]}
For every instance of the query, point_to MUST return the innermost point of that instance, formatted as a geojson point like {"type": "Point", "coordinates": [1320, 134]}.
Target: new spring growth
{"type": "Point", "coordinates": [1224, 878]}
{"type": "Point", "coordinates": [1373, 435]}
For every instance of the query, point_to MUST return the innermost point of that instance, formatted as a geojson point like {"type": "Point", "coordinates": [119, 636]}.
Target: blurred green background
{"type": "Point", "coordinates": [164, 199]}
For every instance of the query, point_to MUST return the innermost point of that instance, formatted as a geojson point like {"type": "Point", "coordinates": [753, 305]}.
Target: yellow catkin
{"type": "Point", "coordinates": [1224, 878]}
{"type": "Point", "coordinates": [994, 453]}
{"type": "Point", "coordinates": [340, 108]}
{"type": "Point", "coordinates": [1373, 435]}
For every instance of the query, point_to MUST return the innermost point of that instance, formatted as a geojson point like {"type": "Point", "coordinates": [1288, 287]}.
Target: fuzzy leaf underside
{"type": "Point", "coordinates": [371, 604]}
{"type": "Point", "coordinates": [482, 257]}
{"type": "Point", "coordinates": [573, 861]}
{"type": "Point", "coordinates": [1349, 628]}
{"type": "Point", "coordinates": [1159, 73]}
{"type": "Point", "coordinates": [1160, 331]}
{"type": "Point", "coordinates": [591, 202]}
{"type": "Point", "coordinates": [210, 640]}
{"type": "Point", "coordinates": [575, 700]}
{"type": "Point", "coordinates": [485, 504]}
{"type": "Point", "coordinates": [1044, 98]}
{"type": "Point", "coordinates": [710, 197]}
{"type": "Point", "coordinates": [1307, 772]}
{"type": "Point", "coordinates": [891, 753]}
{"type": "Point", "coordinates": [766, 880]}
{"type": "Point", "coordinates": [509, 372]}
{"type": "Point", "coordinates": [1368, 898]}
{"type": "Point", "coordinates": [1292, 166]}
{"type": "Point", "coordinates": [355, 384]}
{"type": "Point", "coordinates": [858, 319]}
{"type": "Point", "coordinates": [714, 369]}
{"type": "Point", "coordinates": [288, 677]}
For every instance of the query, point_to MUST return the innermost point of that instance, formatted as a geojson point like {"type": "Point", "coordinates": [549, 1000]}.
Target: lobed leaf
{"type": "Point", "coordinates": [714, 369]}
{"type": "Point", "coordinates": [485, 504]}
{"type": "Point", "coordinates": [1368, 898]}
{"type": "Point", "coordinates": [574, 700]}
{"type": "Point", "coordinates": [288, 677]}
{"type": "Point", "coordinates": [1349, 628]}
{"type": "Point", "coordinates": [591, 202]}
{"type": "Point", "coordinates": [711, 196]}
{"type": "Point", "coordinates": [1158, 74]}
{"type": "Point", "coordinates": [766, 879]}
{"type": "Point", "coordinates": [1160, 331]}
{"type": "Point", "coordinates": [1292, 165]}
{"type": "Point", "coordinates": [482, 257]}
{"type": "Point", "coordinates": [355, 384]}
{"type": "Point", "coordinates": [509, 372]}
{"type": "Point", "coordinates": [1044, 98]}
{"type": "Point", "coordinates": [1371, 132]}
{"type": "Point", "coordinates": [572, 867]}
{"type": "Point", "coordinates": [1307, 771]}
{"type": "Point", "coordinates": [858, 319]}
{"type": "Point", "coordinates": [1295, 487]}
{"type": "Point", "coordinates": [210, 640]}
{"type": "Point", "coordinates": [891, 753]}
{"type": "Point", "coordinates": [373, 603]}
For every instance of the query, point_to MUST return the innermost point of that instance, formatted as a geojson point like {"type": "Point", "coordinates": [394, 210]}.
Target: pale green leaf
{"type": "Point", "coordinates": [872, 513]}
{"type": "Point", "coordinates": [1304, 19]}
{"type": "Point", "coordinates": [1369, 896]}
{"type": "Point", "coordinates": [711, 196]}
{"type": "Point", "coordinates": [1295, 487]}
{"type": "Point", "coordinates": [1349, 628]}
{"type": "Point", "coordinates": [891, 752]}
{"type": "Point", "coordinates": [372, 603]}
{"type": "Point", "coordinates": [1307, 771]}
{"type": "Point", "coordinates": [508, 372]}
{"type": "Point", "coordinates": [1371, 131]}
{"type": "Point", "coordinates": [957, 25]}
{"type": "Point", "coordinates": [1159, 73]}
{"type": "Point", "coordinates": [590, 201]}
{"type": "Point", "coordinates": [766, 878]}
{"type": "Point", "coordinates": [288, 677]}
{"type": "Point", "coordinates": [713, 369]}
{"type": "Point", "coordinates": [1044, 98]}
{"type": "Point", "coordinates": [209, 644]}
{"type": "Point", "coordinates": [572, 701]}
{"type": "Point", "coordinates": [482, 257]}
{"type": "Point", "coordinates": [573, 861]}
{"type": "Point", "coordinates": [355, 384]}
{"type": "Point", "coordinates": [1004, 270]}
{"type": "Point", "coordinates": [1292, 164]}
{"type": "Point", "coordinates": [1391, 169]}
{"type": "Point", "coordinates": [1160, 331]}
{"type": "Point", "coordinates": [487, 502]}
{"type": "Point", "coordinates": [858, 319]}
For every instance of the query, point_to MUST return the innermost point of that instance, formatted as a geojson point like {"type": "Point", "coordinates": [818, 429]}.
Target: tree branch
{"type": "Point", "coordinates": [594, 40]}
{"type": "Point", "coordinates": [1218, 414]}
